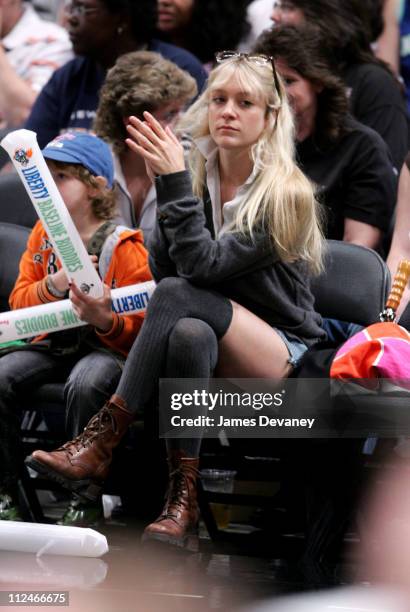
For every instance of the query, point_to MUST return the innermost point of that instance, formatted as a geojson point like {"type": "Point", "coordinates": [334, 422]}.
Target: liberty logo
{"type": "Point", "coordinates": [86, 288]}
{"type": "Point", "coordinates": [22, 156]}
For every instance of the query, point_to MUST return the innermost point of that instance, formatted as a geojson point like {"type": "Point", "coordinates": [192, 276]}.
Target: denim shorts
{"type": "Point", "coordinates": [296, 348]}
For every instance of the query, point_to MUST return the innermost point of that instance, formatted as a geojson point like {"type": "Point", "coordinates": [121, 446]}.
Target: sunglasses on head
{"type": "Point", "coordinates": [256, 58]}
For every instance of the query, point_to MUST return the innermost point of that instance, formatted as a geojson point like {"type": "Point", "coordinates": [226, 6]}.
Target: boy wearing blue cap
{"type": "Point", "coordinates": [89, 360]}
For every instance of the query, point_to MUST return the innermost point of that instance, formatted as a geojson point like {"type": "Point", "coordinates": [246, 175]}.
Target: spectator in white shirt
{"type": "Point", "coordinates": [258, 16]}
{"type": "Point", "coordinates": [31, 49]}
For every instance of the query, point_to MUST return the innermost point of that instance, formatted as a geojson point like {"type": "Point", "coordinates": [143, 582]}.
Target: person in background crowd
{"type": "Point", "coordinates": [31, 50]}
{"type": "Point", "coordinates": [50, 9]}
{"type": "Point", "coordinates": [234, 247]}
{"type": "Point", "coordinates": [349, 162]}
{"type": "Point", "coordinates": [375, 97]}
{"type": "Point", "coordinates": [393, 46]}
{"type": "Point", "coordinates": [89, 360]}
{"type": "Point", "coordinates": [404, 21]}
{"type": "Point", "coordinates": [101, 31]}
{"type": "Point", "coordinates": [397, 15]}
{"type": "Point", "coordinates": [257, 15]}
{"type": "Point", "coordinates": [286, 12]}
{"type": "Point", "coordinates": [346, 32]}
{"type": "Point", "coordinates": [139, 81]}
{"type": "Point", "coordinates": [387, 40]}
{"type": "Point", "coordinates": [203, 26]}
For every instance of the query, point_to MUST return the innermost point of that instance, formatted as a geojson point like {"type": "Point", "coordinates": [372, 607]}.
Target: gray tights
{"type": "Point", "coordinates": [179, 339]}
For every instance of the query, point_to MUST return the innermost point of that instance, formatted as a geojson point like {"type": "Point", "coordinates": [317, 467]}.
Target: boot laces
{"type": "Point", "coordinates": [177, 495]}
{"type": "Point", "coordinates": [103, 420]}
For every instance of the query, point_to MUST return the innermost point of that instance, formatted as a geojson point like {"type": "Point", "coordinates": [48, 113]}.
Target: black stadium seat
{"type": "Point", "coordinates": [15, 204]}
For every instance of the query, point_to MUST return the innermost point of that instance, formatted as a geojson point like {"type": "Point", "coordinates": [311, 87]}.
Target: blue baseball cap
{"type": "Point", "coordinates": [85, 149]}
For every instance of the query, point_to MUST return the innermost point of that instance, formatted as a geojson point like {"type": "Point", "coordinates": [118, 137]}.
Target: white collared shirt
{"type": "Point", "coordinates": [224, 221]}
{"type": "Point", "coordinates": [125, 206]}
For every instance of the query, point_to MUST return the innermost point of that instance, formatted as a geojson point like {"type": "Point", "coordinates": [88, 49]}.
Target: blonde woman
{"type": "Point", "coordinates": [232, 253]}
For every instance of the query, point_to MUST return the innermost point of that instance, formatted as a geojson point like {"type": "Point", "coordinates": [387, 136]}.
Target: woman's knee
{"type": "Point", "coordinates": [192, 332]}
{"type": "Point", "coordinates": [170, 290]}
{"type": "Point", "coordinates": [193, 336]}
{"type": "Point", "coordinates": [172, 284]}
{"type": "Point", "coordinates": [182, 299]}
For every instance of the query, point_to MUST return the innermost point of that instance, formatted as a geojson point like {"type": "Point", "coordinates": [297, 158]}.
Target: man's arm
{"type": "Point", "coordinates": [388, 43]}
{"type": "Point", "coordinates": [362, 234]}
{"type": "Point", "coordinates": [370, 193]}
{"type": "Point", "coordinates": [16, 96]}
{"type": "Point", "coordinates": [27, 63]}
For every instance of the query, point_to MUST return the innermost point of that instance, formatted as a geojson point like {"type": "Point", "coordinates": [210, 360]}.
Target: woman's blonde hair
{"type": "Point", "coordinates": [281, 199]}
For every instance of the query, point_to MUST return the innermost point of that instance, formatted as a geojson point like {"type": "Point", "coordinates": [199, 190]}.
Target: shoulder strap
{"type": "Point", "coordinates": [107, 249]}
{"type": "Point", "coordinates": [97, 240]}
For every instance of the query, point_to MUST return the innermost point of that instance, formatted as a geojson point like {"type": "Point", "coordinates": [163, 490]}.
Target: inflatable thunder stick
{"type": "Point", "coordinates": [43, 539]}
{"type": "Point", "coordinates": [23, 149]}
{"type": "Point", "coordinates": [57, 316]}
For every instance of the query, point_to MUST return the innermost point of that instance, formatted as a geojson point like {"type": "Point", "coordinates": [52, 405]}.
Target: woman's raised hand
{"type": "Point", "coordinates": [160, 148]}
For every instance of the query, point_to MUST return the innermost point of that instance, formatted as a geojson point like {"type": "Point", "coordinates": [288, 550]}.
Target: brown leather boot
{"type": "Point", "coordinates": [178, 523]}
{"type": "Point", "coordinates": [82, 464]}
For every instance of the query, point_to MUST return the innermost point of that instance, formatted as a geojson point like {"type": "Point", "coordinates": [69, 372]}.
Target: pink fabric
{"type": "Point", "coordinates": [379, 351]}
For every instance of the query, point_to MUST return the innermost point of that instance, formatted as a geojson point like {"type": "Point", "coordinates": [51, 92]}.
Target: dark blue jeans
{"type": "Point", "coordinates": [340, 331]}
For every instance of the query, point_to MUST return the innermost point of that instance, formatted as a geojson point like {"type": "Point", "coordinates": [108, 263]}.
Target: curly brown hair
{"type": "Point", "coordinates": [300, 49]}
{"type": "Point", "coordinates": [139, 81]}
{"type": "Point", "coordinates": [104, 204]}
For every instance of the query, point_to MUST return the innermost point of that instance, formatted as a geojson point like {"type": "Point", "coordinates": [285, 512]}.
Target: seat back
{"type": "Point", "coordinates": [15, 204]}
{"type": "Point", "coordinates": [354, 286]}
{"type": "Point", "coordinates": [13, 240]}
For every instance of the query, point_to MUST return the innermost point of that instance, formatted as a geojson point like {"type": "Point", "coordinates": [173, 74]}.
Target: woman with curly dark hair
{"type": "Point", "coordinates": [346, 29]}
{"type": "Point", "coordinates": [349, 24]}
{"type": "Point", "coordinates": [203, 26]}
{"type": "Point", "coordinates": [348, 162]}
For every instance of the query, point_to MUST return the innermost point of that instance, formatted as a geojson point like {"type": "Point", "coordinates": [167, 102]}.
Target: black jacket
{"type": "Point", "coordinates": [248, 272]}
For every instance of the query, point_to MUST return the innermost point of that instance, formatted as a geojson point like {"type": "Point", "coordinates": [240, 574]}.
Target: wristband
{"type": "Point", "coordinates": [53, 289]}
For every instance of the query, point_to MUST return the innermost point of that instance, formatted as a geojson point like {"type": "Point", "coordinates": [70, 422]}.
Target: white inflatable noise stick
{"type": "Point", "coordinates": [23, 149]}
{"type": "Point", "coordinates": [43, 539]}
{"type": "Point", "coordinates": [57, 316]}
